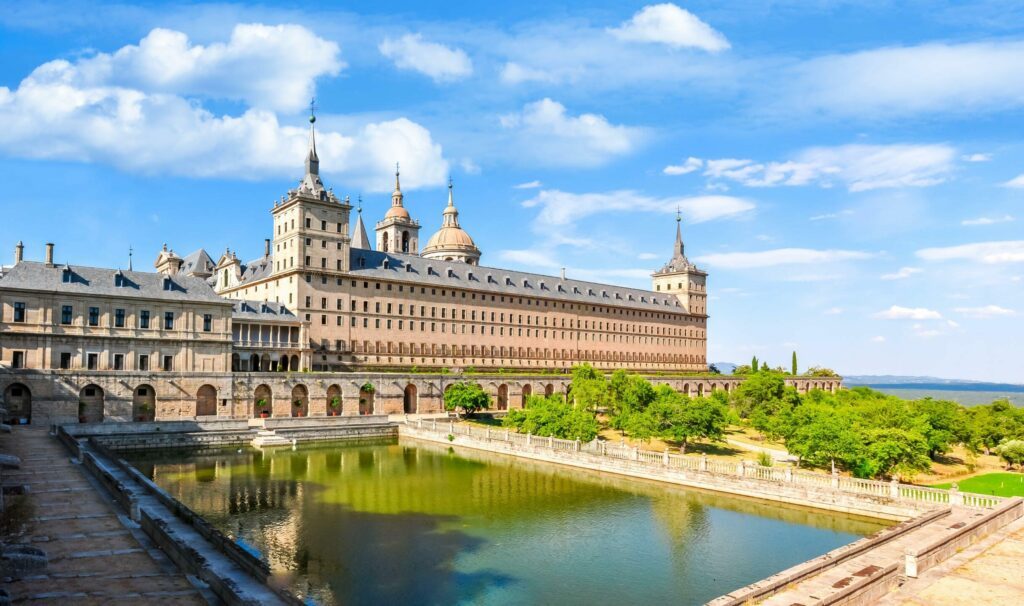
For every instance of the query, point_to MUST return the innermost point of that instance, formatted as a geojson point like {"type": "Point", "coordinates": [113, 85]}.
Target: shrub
{"type": "Point", "coordinates": [764, 459]}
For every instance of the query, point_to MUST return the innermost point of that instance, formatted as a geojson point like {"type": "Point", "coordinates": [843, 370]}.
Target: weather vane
{"type": "Point", "coordinates": [312, 109]}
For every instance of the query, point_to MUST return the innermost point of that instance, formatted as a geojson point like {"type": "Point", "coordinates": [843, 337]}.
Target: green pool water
{"type": "Point", "coordinates": [416, 523]}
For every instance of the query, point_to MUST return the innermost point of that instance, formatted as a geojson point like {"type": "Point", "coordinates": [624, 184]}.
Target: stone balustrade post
{"type": "Point", "coordinates": [551, 442]}
{"type": "Point", "coordinates": [488, 434]}
{"type": "Point", "coordinates": [835, 480]}
{"type": "Point", "coordinates": [506, 435]}
{"type": "Point", "coordinates": [788, 474]}
{"type": "Point", "coordinates": [529, 439]}
{"type": "Point", "coordinates": [664, 458]}
{"type": "Point", "coordinates": [636, 453]}
{"type": "Point", "coordinates": [604, 449]}
{"type": "Point", "coordinates": [451, 427]}
{"type": "Point", "coordinates": [703, 462]}
{"type": "Point", "coordinates": [433, 424]}
{"type": "Point", "coordinates": [910, 563]}
{"type": "Point", "coordinates": [577, 445]}
{"type": "Point", "coordinates": [956, 498]}
{"type": "Point", "coordinates": [894, 487]}
{"type": "Point", "coordinates": [741, 468]}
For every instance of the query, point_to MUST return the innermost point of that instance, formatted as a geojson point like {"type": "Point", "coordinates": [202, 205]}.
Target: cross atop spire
{"type": "Point", "coordinates": [678, 253]}
{"type": "Point", "coordinates": [312, 160]}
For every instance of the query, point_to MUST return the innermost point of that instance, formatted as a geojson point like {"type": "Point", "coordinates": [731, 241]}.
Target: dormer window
{"type": "Point", "coordinates": [66, 275]}
{"type": "Point", "coordinates": [362, 261]}
{"type": "Point", "coordinates": [508, 281]}
{"type": "Point", "coordinates": [385, 264]}
{"type": "Point", "coordinates": [408, 268]}
{"type": "Point", "coordinates": [450, 272]}
{"type": "Point", "coordinates": [168, 284]}
{"type": "Point", "coordinates": [469, 276]}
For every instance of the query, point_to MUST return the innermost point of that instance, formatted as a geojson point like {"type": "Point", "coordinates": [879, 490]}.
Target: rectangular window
{"type": "Point", "coordinates": [207, 322]}
{"type": "Point", "coordinates": [323, 303]}
{"type": "Point", "coordinates": [65, 360]}
{"type": "Point", "coordinates": [65, 314]}
{"type": "Point", "coordinates": [119, 318]}
{"type": "Point", "coordinates": [92, 361]}
{"type": "Point", "coordinates": [143, 362]}
{"type": "Point", "coordinates": [144, 318]}
{"type": "Point", "coordinates": [19, 312]}
{"type": "Point", "coordinates": [118, 361]}
{"type": "Point", "coordinates": [168, 320]}
{"type": "Point", "coordinates": [18, 359]}
{"type": "Point", "coordinates": [168, 363]}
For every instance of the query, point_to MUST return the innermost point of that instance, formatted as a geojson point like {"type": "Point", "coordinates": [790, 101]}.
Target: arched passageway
{"type": "Point", "coordinates": [300, 401]}
{"type": "Point", "coordinates": [90, 404]}
{"type": "Point", "coordinates": [410, 401]}
{"type": "Point", "coordinates": [18, 401]}
{"type": "Point", "coordinates": [503, 397]}
{"type": "Point", "coordinates": [143, 403]}
{"type": "Point", "coordinates": [262, 402]}
{"type": "Point", "coordinates": [366, 400]}
{"type": "Point", "coordinates": [549, 389]}
{"type": "Point", "coordinates": [527, 392]}
{"type": "Point", "coordinates": [206, 401]}
{"type": "Point", "coordinates": [334, 400]}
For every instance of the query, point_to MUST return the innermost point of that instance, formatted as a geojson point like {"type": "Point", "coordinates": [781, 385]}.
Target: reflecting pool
{"type": "Point", "coordinates": [418, 523]}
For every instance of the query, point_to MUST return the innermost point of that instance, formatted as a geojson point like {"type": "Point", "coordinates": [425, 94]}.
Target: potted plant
{"type": "Point", "coordinates": [333, 406]}
{"type": "Point", "coordinates": [261, 408]}
{"type": "Point", "coordinates": [144, 409]}
{"type": "Point", "coordinates": [297, 403]}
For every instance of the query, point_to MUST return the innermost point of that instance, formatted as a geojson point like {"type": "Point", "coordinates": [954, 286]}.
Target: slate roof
{"type": "Point", "coordinates": [198, 262]}
{"type": "Point", "coordinates": [369, 264]}
{"type": "Point", "coordinates": [32, 275]}
{"type": "Point", "coordinates": [262, 311]}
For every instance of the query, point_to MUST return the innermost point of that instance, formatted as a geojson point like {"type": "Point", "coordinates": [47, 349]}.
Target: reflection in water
{"type": "Point", "coordinates": [416, 523]}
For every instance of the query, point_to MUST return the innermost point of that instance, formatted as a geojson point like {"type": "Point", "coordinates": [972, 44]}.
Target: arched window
{"type": "Point", "coordinates": [405, 241]}
{"type": "Point", "coordinates": [384, 242]}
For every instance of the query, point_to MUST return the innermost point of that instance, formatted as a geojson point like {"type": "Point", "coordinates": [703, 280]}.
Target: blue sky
{"type": "Point", "coordinates": [851, 174]}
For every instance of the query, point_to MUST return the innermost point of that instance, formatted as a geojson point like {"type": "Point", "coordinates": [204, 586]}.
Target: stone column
{"type": "Point", "coordinates": [835, 480]}
{"type": "Point", "coordinates": [703, 462]}
{"type": "Point", "coordinates": [664, 458]}
{"type": "Point", "coordinates": [894, 487]}
{"type": "Point", "coordinates": [789, 474]}
{"type": "Point", "coordinates": [956, 498]}
{"type": "Point", "coordinates": [910, 563]}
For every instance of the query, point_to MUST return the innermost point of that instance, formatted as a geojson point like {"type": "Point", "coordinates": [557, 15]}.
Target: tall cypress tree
{"type": "Point", "coordinates": [794, 363]}
{"type": "Point", "coordinates": [753, 364]}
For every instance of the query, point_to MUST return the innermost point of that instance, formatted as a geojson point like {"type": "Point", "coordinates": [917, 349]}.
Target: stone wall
{"type": "Point", "coordinates": [55, 395]}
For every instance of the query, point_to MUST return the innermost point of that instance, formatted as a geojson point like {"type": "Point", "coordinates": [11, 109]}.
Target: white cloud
{"type": "Point", "coordinates": [834, 311]}
{"type": "Point", "coordinates": [564, 208]}
{"type": "Point", "coordinates": [514, 73]}
{"type": "Point", "coordinates": [469, 166]}
{"type": "Point", "coordinates": [878, 339]}
{"type": "Point", "coordinates": [528, 185]}
{"type": "Point", "coordinates": [988, 220]}
{"type": "Point", "coordinates": [1008, 251]}
{"type": "Point", "coordinates": [782, 256]}
{"type": "Point", "coordinates": [858, 167]}
{"type": "Point", "coordinates": [987, 311]}
{"type": "Point", "coordinates": [668, 24]}
{"type": "Point", "coordinates": [110, 109]}
{"type": "Point", "coordinates": [552, 135]}
{"type": "Point", "coordinates": [1016, 182]}
{"type": "Point", "coordinates": [269, 67]}
{"type": "Point", "coordinates": [897, 312]}
{"type": "Point", "coordinates": [976, 157]}
{"type": "Point", "coordinates": [921, 331]}
{"type": "Point", "coordinates": [902, 274]}
{"type": "Point", "coordinates": [900, 81]}
{"type": "Point", "coordinates": [691, 164]}
{"type": "Point", "coordinates": [843, 213]}
{"type": "Point", "coordinates": [439, 62]}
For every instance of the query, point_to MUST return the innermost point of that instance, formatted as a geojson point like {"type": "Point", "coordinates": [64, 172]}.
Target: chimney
{"type": "Point", "coordinates": [266, 247]}
{"type": "Point", "coordinates": [563, 273]}
{"type": "Point", "coordinates": [49, 254]}
{"type": "Point", "coordinates": [19, 252]}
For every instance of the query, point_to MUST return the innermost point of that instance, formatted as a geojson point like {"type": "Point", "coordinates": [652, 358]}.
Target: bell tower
{"type": "Point", "coordinates": [682, 278]}
{"type": "Point", "coordinates": [398, 232]}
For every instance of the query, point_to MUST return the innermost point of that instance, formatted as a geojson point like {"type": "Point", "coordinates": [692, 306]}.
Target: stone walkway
{"type": "Point", "coordinates": [834, 580]}
{"type": "Point", "coordinates": [96, 555]}
{"type": "Point", "coordinates": [989, 573]}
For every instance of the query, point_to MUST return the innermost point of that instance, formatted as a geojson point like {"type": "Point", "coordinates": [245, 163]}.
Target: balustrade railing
{"type": "Point", "coordinates": [621, 452]}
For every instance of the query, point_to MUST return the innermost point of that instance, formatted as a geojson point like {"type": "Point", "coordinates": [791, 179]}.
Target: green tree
{"type": "Point", "coordinates": [467, 397]}
{"type": "Point", "coordinates": [756, 390]}
{"type": "Point", "coordinates": [794, 370]}
{"type": "Point", "coordinates": [553, 416]}
{"type": "Point", "coordinates": [893, 451]}
{"type": "Point", "coordinates": [589, 388]}
{"type": "Point", "coordinates": [753, 364]}
{"type": "Point", "coordinates": [1011, 451]}
{"type": "Point", "coordinates": [819, 371]}
{"type": "Point", "coordinates": [742, 369]}
{"type": "Point", "coordinates": [823, 434]}
{"type": "Point", "coordinates": [692, 419]}
{"type": "Point", "coordinates": [629, 394]}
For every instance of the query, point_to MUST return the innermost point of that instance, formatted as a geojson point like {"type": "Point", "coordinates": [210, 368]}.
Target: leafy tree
{"type": "Point", "coordinates": [713, 369]}
{"type": "Point", "coordinates": [822, 434]}
{"type": "Point", "coordinates": [819, 371]}
{"type": "Point", "coordinates": [1012, 451]}
{"type": "Point", "coordinates": [944, 424]}
{"type": "Point", "coordinates": [753, 364]}
{"type": "Point", "coordinates": [756, 390]}
{"type": "Point", "coordinates": [553, 416]}
{"type": "Point", "coordinates": [589, 388]}
{"type": "Point", "coordinates": [764, 367]}
{"type": "Point", "coordinates": [696, 418]}
{"type": "Point", "coordinates": [742, 369]}
{"type": "Point", "coordinates": [893, 451]}
{"type": "Point", "coordinates": [794, 370]}
{"type": "Point", "coordinates": [467, 397]}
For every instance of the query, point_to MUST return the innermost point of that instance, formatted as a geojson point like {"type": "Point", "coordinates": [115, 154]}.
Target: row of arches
{"type": "Point", "coordinates": [264, 363]}
{"type": "Point", "coordinates": [92, 402]}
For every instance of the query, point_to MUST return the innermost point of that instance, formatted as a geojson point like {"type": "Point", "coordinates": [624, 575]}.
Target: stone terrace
{"type": "Point", "coordinates": [96, 555]}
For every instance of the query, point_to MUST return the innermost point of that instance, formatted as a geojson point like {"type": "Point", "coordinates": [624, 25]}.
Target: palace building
{"type": "Point", "coordinates": [323, 298]}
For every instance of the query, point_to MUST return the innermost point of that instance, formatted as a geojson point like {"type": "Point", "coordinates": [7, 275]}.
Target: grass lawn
{"type": "Point", "coordinates": [998, 484]}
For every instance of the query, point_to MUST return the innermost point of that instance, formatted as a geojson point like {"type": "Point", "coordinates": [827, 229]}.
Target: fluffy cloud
{"type": "Point", "coordinates": [902, 274]}
{"type": "Point", "coordinates": [271, 67]}
{"type": "Point", "coordinates": [987, 311]}
{"type": "Point", "coordinates": [897, 312]}
{"type": "Point", "coordinates": [514, 73]}
{"type": "Point", "coordinates": [528, 185]}
{"type": "Point", "coordinates": [668, 24]}
{"type": "Point", "coordinates": [988, 220]}
{"type": "Point", "coordinates": [858, 167]}
{"type": "Point", "coordinates": [552, 135]}
{"type": "Point", "coordinates": [691, 164]}
{"type": "Point", "coordinates": [781, 256]}
{"type": "Point", "coordinates": [976, 157]}
{"type": "Point", "coordinates": [438, 61]}
{"type": "Point", "coordinates": [1016, 182]}
{"type": "Point", "coordinates": [110, 109]}
{"type": "Point", "coordinates": [1007, 251]}
{"type": "Point", "coordinates": [910, 80]}
{"type": "Point", "coordinates": [564, 208]}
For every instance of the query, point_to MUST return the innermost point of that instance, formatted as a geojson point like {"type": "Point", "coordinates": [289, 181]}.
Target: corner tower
{"type": "Point", "coordinates": [398, 232]}
{"type": "Point", "coordinates": [682, 278]}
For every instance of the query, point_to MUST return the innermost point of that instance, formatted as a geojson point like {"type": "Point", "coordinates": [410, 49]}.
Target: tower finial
{"type": "Point", "coordinates": [312, 110]}
{"type": "Point", "coordinates": [359, 204]}
{"type": "Point", "coordinates": [312, 160]}
{"type": "Point", "coordinates": [130, 251]}
{"type": "Point", "coordinates": [398, 185]}
{"type": "Point", "coordinates": [678, 252]}
{"type": "Point", "coordinates": [451, 201]}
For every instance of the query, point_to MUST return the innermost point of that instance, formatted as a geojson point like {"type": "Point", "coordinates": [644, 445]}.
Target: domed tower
{"type": "Point", "coordinates": [451, 242]}
{"type": "Point", "coordinates": [398, 232]}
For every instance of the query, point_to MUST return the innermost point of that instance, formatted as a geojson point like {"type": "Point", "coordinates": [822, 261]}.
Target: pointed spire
{"type": "Point", "coordinates": [450, 201]}
{"type": "Point", "coordinates": [451, 214]}
{"type": "Point", "coordinates": [359, 237]}
{"type": "Point", "coordinates": [396, 196]}
{"type": "Point", "coordinates": [398, 185]}
{"type": "Point", "coordinates": [312, 160]}
{"type": "Point", "coordinates": [130, 251]}
{"type": "Point", "coordinates": [678, 252]}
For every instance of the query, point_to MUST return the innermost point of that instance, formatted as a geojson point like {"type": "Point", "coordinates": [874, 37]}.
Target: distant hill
{"type": "Point", "coordinates": [928, 383]}
{"type": "Point", "coordinates": [725, 368]}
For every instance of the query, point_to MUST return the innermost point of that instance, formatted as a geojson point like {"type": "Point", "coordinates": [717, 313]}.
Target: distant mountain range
{"type": "Point", "coordinates": [909, 382]}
